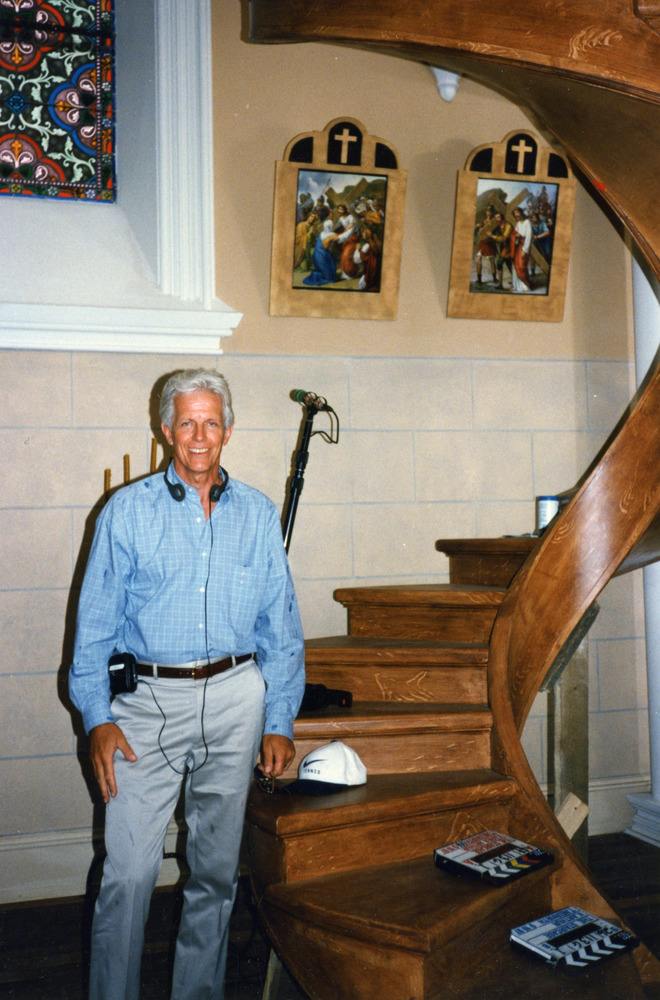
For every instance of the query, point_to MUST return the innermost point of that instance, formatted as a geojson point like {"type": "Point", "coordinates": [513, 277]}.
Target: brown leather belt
{"type": "Point", "coordinates": [191, 671]}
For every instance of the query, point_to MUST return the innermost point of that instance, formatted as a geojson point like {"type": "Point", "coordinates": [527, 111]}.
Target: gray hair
{"type": "Point", "coordinates": [189, 380]}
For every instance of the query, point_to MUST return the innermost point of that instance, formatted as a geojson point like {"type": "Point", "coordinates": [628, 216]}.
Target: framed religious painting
{"type": "Point", "coordinates": [337, 225]}
{"type": "Point", "coordinates": [512, 232]}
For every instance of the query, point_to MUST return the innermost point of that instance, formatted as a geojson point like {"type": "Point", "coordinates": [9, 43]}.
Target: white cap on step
{"type": "Point", "coordinates": [330, 768]}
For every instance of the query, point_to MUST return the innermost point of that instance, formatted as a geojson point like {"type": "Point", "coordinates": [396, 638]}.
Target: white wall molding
{"type": "Point", "coordinates": [165, 185]}
{"type": "Point", "coordinates": [609, 809]}
{"type": "Point", "coordinates": [56, 864]}
{"type": "Point", "coordinates": [98, 328]}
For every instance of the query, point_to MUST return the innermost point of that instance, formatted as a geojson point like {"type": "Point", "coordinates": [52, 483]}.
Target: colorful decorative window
{"type": "Point", "coordinates": [57, 98]}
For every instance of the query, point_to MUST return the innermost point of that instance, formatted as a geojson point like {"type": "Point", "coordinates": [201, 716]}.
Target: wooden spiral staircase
{"type": "Point", "coordinates": [443, 676]}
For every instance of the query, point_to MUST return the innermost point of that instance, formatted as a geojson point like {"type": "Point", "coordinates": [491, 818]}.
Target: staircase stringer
{"type": "Point", "coordinates": [616, 503]}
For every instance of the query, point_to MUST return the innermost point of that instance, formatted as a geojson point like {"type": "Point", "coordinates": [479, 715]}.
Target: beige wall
{"type": "Point", "coordinates": [449, 428]}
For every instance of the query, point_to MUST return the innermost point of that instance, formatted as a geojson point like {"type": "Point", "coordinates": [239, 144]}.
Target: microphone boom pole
{"type": "Point", "coordinates": [316, 695]}
{"type": "Point", "coordinates": [312, 404]}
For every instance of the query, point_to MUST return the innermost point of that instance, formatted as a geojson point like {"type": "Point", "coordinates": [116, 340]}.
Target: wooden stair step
{"type": "Point", "coordinates": [396, 670]}
{"type": "Point", "coordinates": [401, 736]}
{"type": "Point", "coordinates": [390, 718]}
{"type": "Point", "coordinates": [419, 611]}
{"type": "Point", "coordinates": [410, 905]}
{"type": "Point", "coordinates": [412, 594]}
{"type": "Point", "coordinates": [383, 797]}
{"type": "Point", "coordinates": [486, 560]}
{"type": "Point", "coordinates": [411, 932]}
{"type": "Point", "coordinates": [394, 817]}
{"type": "Point", "coordinates": [356, 650]}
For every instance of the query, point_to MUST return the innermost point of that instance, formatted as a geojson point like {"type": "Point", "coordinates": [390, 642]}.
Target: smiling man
{"type": "Point", "coordinates": [188, 587]}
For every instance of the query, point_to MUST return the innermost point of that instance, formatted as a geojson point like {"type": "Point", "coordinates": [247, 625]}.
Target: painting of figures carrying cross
{"type": "Point", "coordinates": [514, 230]}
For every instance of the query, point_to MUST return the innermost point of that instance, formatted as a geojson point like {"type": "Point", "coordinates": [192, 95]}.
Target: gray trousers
{"type": "Point", "coordinates": [218, 722]}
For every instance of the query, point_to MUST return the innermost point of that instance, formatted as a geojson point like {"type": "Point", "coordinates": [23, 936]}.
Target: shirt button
{"type": "Point", "coordinates": [203, 555]}
{"type": "Point", "coordinates": [198, 519]}
{"type": "Point", "coordinates": [201, 625]}
{"type": "Point", "coordinates": [202, 589]}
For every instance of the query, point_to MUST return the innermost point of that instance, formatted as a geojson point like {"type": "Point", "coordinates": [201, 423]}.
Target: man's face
{"type": "Point", "coordinates": [197, 435]}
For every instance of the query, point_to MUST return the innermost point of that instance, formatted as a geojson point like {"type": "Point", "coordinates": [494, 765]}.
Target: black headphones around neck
{"type": "Point", "coordinates": [177, 491]}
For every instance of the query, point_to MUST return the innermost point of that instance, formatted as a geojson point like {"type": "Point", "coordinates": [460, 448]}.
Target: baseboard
{"type": "Point", "coordinates": [609, 809]}
{"type": "Point", "coordinates": [57, 864]}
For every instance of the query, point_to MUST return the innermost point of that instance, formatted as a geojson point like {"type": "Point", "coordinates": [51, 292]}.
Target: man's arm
{"type": "Point", "coordinates": [280, 650]}
{"type": "Point", "coordinates": [100, 610]}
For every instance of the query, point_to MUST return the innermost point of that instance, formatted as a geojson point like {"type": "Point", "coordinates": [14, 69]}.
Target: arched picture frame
{"type": "Point", "coordinates": [512, 232]}
{"type": "Point", "coordinates": [337, 225]}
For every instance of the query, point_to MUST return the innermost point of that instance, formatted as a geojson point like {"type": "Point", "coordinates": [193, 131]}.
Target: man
{"type": "Point", "coordinates": [502, 237]}
{"type": "Point", "coordinates": [486, 246]}
{"type": "Point", "coordinates": [368, 255]}
{"type": "Point", "coordinates": [347, 242]}
{"type": "Point", "coordinates": [521, 245]}
{"type": "Point", "coordinates": [188, 574]}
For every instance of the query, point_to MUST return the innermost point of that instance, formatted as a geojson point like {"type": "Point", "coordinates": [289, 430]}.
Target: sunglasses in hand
{"type": "Point", "coordinates": [266, 782]}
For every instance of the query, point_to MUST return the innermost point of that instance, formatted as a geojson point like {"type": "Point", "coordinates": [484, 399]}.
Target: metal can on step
{"type": "Point", "coordinates": [546, 508]}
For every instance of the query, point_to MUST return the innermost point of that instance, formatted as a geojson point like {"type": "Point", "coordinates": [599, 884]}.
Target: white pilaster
{"type": "Point", "coordinates": [646, 820]}
{"type": "Point", "coordinates": [185, 150]}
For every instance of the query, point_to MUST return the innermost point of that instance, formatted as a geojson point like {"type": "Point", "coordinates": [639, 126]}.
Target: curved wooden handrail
{"type": "Point", "coordinates": [587, 72]}
{"type": "Point", "coordinates": [583, 38]}
{"type": "Point", "coordinates": [616, 504]}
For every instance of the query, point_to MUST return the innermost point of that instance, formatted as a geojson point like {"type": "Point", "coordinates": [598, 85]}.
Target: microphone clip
{"type": "Point", "coordinates": [310, 399]}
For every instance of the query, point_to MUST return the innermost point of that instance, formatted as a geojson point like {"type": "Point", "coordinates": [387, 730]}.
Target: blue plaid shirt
{"type": "Point", "coordinates": [170, 586]}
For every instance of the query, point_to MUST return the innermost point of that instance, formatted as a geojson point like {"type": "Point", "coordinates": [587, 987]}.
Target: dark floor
{"type": "Point", "coordinates": [44, 951]}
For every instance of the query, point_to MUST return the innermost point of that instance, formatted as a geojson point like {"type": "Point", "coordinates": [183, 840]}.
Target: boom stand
{"type": "Point", "coordinates": [298, 478]}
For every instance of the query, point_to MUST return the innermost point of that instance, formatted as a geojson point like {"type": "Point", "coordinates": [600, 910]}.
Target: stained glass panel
{"type": "Point", "coordinates": [57, 98]}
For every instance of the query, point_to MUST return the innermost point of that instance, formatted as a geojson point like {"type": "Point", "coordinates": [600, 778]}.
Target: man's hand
{"type": "Point", "coordinates": [277, 752]}
{"type": "Point", "coordinates": [104, 740]}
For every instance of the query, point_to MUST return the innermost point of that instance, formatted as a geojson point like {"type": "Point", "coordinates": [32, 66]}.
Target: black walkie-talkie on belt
{"type": "Point", "coordinates": [122, 669]}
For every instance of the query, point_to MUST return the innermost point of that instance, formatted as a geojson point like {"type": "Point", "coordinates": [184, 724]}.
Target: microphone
{"type": "Point", "coordinates": [309, 399]}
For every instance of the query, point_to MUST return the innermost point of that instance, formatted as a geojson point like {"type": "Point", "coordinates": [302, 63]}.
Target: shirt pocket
{"type": "Point", "coordinates": [246, 584]}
